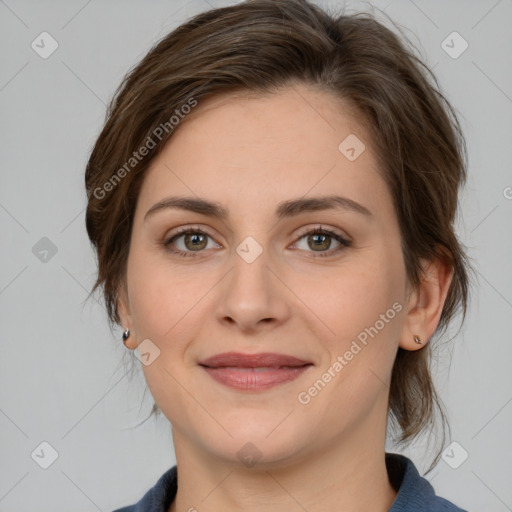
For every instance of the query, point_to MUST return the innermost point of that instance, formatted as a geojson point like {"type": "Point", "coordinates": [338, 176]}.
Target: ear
{"type": "Point", "coordinates": [125, 316]}
{"type": "Point", "coordinates": [426, 304]}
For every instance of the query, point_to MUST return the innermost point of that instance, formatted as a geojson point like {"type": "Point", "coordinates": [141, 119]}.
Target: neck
{"type": "Point", "coordinates": [348, 476]}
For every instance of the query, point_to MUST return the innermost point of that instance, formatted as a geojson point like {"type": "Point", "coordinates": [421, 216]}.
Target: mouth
{"type": "Point", "coordinates": [254, 372]}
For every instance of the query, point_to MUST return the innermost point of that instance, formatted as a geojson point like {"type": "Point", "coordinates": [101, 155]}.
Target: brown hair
{"type": "Point", "coordinates": [265, 45]}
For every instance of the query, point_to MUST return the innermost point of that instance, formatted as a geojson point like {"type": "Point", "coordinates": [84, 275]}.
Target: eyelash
{"type": "Point", "coordinates": [317, 230]}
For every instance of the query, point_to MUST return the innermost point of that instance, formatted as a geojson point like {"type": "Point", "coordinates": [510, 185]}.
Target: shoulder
{"type": "Point", "coordinates": [159, 497]}
{"type": "Point", "coordinates": [414, 491]}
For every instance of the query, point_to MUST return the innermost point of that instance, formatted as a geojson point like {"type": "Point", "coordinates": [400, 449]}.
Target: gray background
{"type": "Point", "coordinates": [63, 374]}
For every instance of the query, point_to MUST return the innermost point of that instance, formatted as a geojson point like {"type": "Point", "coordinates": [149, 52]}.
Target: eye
{"type": "Point", "coordinates": [194, 239]}
{"type": "Point", "coordinates": [321, 238]}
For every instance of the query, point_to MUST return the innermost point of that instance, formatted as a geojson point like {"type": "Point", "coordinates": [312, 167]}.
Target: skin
{"type": "Point", "coordinates": [249, 154]}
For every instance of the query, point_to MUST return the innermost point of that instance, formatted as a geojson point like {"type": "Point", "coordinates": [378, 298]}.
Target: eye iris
{"type": "Point", "coordinates": [316, 245]}
{"type": "Point", "coordinates": [195, 237]}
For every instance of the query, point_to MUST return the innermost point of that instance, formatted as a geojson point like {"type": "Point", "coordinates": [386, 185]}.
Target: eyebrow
{"type": "Point", "coordinates": [284, 209]}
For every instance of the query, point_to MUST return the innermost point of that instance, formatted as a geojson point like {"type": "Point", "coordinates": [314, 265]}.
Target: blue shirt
{"type": "Point", "coordinates": [415, 494]}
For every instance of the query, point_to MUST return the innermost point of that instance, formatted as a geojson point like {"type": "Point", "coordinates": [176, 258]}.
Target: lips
{"type": "Point", "coordinates": [263, 360]}
{"type": "Point", "coordinates": [254, 372]}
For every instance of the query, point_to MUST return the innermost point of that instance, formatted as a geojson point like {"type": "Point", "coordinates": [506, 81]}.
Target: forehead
{"type": "Point", "coordinates": [319, 117]}
{"type": "Point", "coordinates": [266, 147]}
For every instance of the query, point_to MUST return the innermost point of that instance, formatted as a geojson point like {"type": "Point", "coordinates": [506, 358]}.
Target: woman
{"type": "Point", "coordinates": [272, 201]}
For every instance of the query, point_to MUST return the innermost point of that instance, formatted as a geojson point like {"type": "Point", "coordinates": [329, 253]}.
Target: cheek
{"type": "Point", "coordinates": [161, 295]}
{"type": "Point", "coordinates": [364, 308]}
{"type": "Point", "coordinates": [165, 305]}
{"type": "Point", "coordinates": [344, 301]}
{"type": "Point", "coordinates": [364, 314]}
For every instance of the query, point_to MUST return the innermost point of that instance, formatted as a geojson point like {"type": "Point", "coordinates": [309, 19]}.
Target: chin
{"type": "Point", "coordinates": [260, 454]}
{"type": "Point", "coordinates": [263, 444]}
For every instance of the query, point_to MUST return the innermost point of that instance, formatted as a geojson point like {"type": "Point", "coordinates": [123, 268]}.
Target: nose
{"type": "Point", "coordinates": [253, 297]}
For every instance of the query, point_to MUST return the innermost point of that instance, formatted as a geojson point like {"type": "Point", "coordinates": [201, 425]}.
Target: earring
{"type": "Point", "coordinates": [126, 335]}
{"type": "Point", "coordinates": [417, 340]}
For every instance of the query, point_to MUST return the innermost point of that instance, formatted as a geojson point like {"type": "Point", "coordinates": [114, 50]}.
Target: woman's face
{"type": "Point", "coordinates": [257, 281]}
